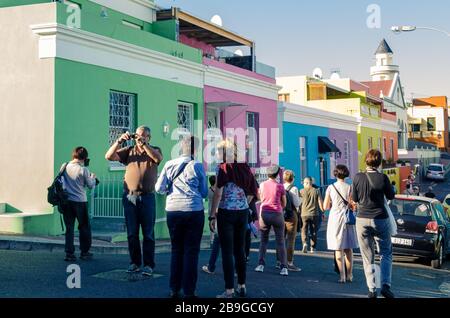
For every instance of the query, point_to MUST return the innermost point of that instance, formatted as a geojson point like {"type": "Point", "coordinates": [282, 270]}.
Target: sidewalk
{"type": "Point", "coordinates": [101, 244]}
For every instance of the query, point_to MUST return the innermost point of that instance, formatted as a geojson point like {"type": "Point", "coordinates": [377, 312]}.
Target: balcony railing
{"type": "Point", "coordinates": [426, 134]}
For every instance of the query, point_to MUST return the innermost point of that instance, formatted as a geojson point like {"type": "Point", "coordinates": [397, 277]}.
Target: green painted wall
{"type": "Point", "coordinates": [113, 27]}
{"type": "Point", "coordinates": [363, 143]}
{"type": "Point", "coordinates": [82, 113]}
{"type": "Point", "coordinates": [167, 29]}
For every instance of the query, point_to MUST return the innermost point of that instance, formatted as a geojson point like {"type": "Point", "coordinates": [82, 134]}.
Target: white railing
{"type": "Point", "coordinates": [106, 198]}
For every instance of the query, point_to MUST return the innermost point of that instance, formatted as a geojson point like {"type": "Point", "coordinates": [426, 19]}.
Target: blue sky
{"type": "Point", "coordinates": [296, 36]}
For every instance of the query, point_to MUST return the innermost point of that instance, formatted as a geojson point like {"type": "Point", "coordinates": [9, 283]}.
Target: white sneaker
{"type": "Point", "coordinates": [284, 272]}
{"type": "Point", "coordinates": [312, 250]}
{"type": "Point", "coordinates": [259, 268]}
{"type": "Point", "coordinates": [305, 249]}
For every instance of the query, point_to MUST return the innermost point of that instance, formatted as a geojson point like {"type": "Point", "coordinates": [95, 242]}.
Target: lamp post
{"type": "Point", "coordinates": [409, 28]}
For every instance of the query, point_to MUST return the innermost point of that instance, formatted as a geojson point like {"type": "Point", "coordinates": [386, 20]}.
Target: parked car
{"type": "Point", "coordinates": [436, 171]}
{"type": "Point", "coordinates": [423, 228]}
{"type": "Point", "coordinates": [446, 204]}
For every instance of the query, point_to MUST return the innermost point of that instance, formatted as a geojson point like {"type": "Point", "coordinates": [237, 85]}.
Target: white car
{"type": "Point", "coordinates": [436, 171]}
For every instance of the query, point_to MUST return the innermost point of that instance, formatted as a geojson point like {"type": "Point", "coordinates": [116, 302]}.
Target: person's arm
{"type": "Point", "coordinates": [154, 153]}
{"type": "Point", "coordinates": [215, 206]}
{"type": "Point", "coordinates": [89, 178]}
{"type": "Point", "coordinates": [203, 183]}
{"type": "Point", "coordinates": [388, 190]}
{"type": "Point", "coordinates": [354, 192]}
{"type": "Point", "coordinates": [295, 197]}
{"type": "Point", "coordinates": [161, 184]}
{"type": "Point", "coordinates": [283, 201]}
{"type": "Point", "coordinates": [321, 204]}
{"type": "Point", "coordinates": [327, 201]}
{"type": "Point", "coordinates": [111, 154]}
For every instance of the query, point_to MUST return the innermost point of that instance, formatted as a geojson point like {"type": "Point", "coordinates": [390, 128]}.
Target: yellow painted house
{"type": "Point", "coordinates": [342, 96]}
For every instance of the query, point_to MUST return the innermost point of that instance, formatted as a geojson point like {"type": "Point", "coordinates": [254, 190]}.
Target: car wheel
{"type": "Point", "coordinates": [436, 263]}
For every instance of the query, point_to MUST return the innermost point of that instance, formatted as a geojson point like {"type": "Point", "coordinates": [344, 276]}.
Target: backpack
{"type": "Point", "coordinates": [290, 208]}
{"type": "Point", "coordinates": [57, 195]}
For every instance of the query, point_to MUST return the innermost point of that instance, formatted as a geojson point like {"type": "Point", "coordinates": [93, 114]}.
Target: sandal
{"type": "Point", "coordinates": [341, 281]}
{"type": "Point", "coordinates": [350, 279]}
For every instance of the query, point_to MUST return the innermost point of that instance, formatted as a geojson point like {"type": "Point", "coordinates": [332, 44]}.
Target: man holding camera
{"type": "Point", "coordinates": [141, 174]}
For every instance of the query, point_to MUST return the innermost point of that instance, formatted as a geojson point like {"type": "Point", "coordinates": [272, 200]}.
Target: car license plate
{"type": "Point", "coordinates": [402, 241]}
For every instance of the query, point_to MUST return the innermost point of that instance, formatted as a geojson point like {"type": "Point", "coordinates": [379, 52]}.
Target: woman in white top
{"type": "Point", "coordinates": [341, 237]}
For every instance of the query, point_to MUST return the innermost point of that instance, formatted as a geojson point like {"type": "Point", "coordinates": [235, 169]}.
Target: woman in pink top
{"type": "Point", "coordinates": [273, 202]}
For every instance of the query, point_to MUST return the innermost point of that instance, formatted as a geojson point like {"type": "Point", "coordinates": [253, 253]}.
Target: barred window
{"type": "Point", "coordinates": [121, 114]}
{"type": "Point", "coordinates": [185, 119]}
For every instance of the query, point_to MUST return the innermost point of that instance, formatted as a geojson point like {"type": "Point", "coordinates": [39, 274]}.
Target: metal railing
{"type": "Point", "coordinates": [106, 198]}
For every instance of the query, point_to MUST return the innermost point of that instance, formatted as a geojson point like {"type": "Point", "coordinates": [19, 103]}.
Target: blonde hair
{"type": "Point", "coordinates": [288, 176]}
{"type": "Point", "coordinates": [228, 150]}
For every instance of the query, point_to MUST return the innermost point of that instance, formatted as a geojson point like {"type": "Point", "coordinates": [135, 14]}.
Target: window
{"type": "Point", "coordinates": [253, 133]}
{"type": "Point", "coordinates": [284, 98]}
{"type": "Point", "coordinates": [333, 161]}
{"type": "Point", "coordinates": [379, 144]}
{"type": "Point", "coordinates": [185, 117]}
{"type": "Point", "coordinates": [415, 127]}
{"type": "Point", "coordinates": [406, 207]}
{"type": "Point", "coordinates": [122, 107]}
{"type": "Point", "coordinates": [347, 154]}
{"type": "Point", "coordinates": [370, 143]}
{"type": "Point", "coordinates": [391, 149]}
{"type": "Point", "coordinates": [303, 154]}
{"type": "Point", "coordinates": [431, 123]}
{"type": "Point", "coordinates": [385, 148]}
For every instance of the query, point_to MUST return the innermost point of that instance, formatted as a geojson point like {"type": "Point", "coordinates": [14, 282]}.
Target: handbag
{"type": "Point", "coordinates": [392, 221]}
{"type": "Point", "coordinates": [350, 218]}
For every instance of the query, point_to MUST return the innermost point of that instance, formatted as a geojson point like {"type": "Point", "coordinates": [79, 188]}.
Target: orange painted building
{"type": "Point", "coordinates": [429, 121]}
{"type": "Point", "coordinates": [389, 142]}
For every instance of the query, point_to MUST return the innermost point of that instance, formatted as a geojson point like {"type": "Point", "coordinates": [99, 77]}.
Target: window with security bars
{"type": "Point", "coordinates": [121, 114]}
{"type": "Point", "coordinates": [253, 128]}
{"type": "Point", "coordinates": [185, 118]}
{"type": "Point", "coordinates": [347, 154]}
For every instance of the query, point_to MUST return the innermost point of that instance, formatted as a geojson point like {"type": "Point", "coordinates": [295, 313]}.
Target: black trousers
{"type": "Point", "coordinates": [77, 211]}
{"type": "Point", "coordinates": [186, 230]}
{"type": "Point", "coordinates": [232, 227]}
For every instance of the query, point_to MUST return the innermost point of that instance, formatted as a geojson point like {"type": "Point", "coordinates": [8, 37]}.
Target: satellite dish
{"type": "Point", "coordinates": [216, 19]}
{"type": "Point", "coordinates": [317, 73]}
{"type": "Point", "coordinates": [335, 76]}
{"type": "Point", "coordinates": [239, 52]}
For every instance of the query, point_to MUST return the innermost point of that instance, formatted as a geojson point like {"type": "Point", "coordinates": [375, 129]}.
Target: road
{"type": "Point", "coordinates": [43, 275]}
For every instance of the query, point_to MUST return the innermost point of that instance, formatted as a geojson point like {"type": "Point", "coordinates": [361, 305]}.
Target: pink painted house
{"type": "Point", "coordinates": [239, 92]}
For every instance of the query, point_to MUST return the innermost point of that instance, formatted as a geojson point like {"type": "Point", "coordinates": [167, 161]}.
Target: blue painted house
{"type": "Point", "coordinates": [305, 146]}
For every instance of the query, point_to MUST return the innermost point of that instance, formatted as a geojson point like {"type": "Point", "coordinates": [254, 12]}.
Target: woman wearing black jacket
{"type": "Point", "coordinates": [372, 223]}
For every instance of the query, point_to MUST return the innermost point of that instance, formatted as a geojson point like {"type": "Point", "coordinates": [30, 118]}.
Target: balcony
{"type": "Point", "coordinates": [426, 134]}
{"type": "Point", "coordinates": [216, 43]}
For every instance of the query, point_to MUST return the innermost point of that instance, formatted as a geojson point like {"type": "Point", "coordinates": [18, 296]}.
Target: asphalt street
{"type": "Point", "coordinates": [44, 275]}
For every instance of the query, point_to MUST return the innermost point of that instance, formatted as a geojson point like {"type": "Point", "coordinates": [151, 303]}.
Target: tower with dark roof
{"type": "Point", "coordinates": [384, 69]}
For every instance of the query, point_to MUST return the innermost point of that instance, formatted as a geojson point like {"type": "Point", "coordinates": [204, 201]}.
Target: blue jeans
{"type": "Point", "coordinates": [186, 231]}
{"type": "Point", "coordinates": [370, 231]}
{"type": "Point", "coordinates": [215, 249]}
{"type": "Point", "coordinates": [142, 215]}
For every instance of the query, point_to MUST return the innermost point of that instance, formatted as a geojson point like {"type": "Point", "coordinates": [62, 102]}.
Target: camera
{"type": "Point", "coordinates": [134, 136]}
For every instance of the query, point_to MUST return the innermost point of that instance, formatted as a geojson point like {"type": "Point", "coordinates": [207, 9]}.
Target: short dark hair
{"type": "Point", "coordinates": [373, 158]}
{"type": "Point", "coordinates": [393, 183]}
{"type": "Point", "coordinates": [341, 172]}
{"type": "Point", "coordinates": [80, 153]}
{"type": "Point", "coordinates": [212, 180]}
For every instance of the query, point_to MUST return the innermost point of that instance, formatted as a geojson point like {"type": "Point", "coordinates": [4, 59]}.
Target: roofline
{"type": "Point", "coordinates": [182, 15]}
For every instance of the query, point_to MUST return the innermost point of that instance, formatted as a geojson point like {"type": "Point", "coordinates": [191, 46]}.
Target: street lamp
{"type": "Point", "coordinates": [409, 28]}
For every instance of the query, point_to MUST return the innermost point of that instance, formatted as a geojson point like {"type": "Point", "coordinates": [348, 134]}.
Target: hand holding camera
{"type": "Point", "coordinates": [125, 137]}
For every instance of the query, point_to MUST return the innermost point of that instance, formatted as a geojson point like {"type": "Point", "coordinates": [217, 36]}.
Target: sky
{"type": "Point", "coordinates": [296, 36]}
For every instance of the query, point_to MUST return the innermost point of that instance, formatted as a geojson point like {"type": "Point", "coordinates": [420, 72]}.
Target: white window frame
{"type": "Point", "coordinates": [113, 166]}
{"type": "Point", "coordinates": [186, 130]}
{"type": "Point", "coordinates": [347, 154]}
{"type": "Point", "coordinates": [303, 154]}
{"type": "Point", "coordinates": [253, 144]}
{"type": "Point", "coordinates": [391, 148]}
{"type": "Point", "coordinates": [333, 161]}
